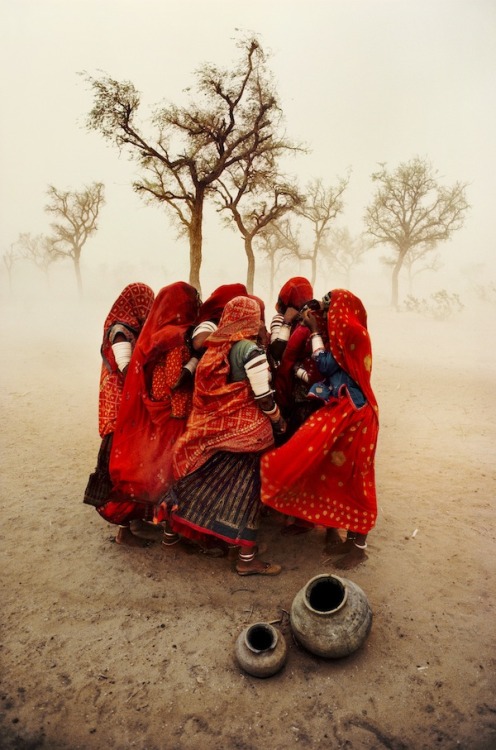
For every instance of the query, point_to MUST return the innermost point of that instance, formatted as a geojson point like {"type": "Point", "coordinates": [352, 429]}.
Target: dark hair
{"type": "Point", "coordinates": [312, 304]}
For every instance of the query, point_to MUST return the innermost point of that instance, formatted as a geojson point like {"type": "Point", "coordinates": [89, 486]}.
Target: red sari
{"type": "Point", "coordinates": [213, 306]}
{"type": "Point", "coordinates": [129, 311]}
{"type": "Point", "coordinates": [325, 473]}
{"type": "Point", "coordinates": [153, 416]}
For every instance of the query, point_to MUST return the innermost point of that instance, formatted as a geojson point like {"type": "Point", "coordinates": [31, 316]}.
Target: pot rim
{"type": "Point", "coordinates": [266, 626]}
{"type": "Point", "coordinates": [319, 577]}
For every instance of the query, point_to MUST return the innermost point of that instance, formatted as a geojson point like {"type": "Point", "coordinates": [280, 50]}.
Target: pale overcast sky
{"type": "Point", "coordinates": [360, 81]}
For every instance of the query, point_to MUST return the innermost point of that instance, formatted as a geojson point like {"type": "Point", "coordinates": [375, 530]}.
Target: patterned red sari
{"type": "Point", "coordinates": [325, 473]}
{"type": "Point", "coordinates": [152, 415]}
{"type": "Point", "coordinates": [225, 416]}
{"type": "Point", "coordinates": [129, 311]}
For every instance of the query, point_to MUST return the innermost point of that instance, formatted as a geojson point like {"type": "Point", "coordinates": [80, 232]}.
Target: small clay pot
{"type": "Point", "coordinates": [330, 616]}
{"type": "Point", "coordinates": [261, 650]}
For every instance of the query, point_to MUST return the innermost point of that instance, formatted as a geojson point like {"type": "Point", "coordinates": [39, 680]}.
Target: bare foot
{"type": "Point", "coordinates": [126, 537]}
{"type": "Point", "coordinates": [352, 559]}
{"type": "Point", "coordinates": [338, 548]}
{"type": "Point", "coordinates": [335, 544]}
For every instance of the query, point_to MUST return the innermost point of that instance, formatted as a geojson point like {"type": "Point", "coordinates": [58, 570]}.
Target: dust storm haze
{"type": "Point", "coordinates": [361, 82]}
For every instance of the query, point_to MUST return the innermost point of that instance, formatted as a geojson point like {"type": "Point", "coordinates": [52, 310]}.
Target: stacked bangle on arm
{"type": "Point", "coordinates": [284, 332]}
{"type": "Point", "coordinates": [317, 342]}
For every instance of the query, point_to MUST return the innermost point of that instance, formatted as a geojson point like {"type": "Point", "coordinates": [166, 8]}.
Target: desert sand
{"type": "Point", "coordinates": [104, 646]}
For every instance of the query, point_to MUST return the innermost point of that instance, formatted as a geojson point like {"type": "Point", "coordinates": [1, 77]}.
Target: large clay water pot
{"type": "Point", "coordinates": [261, 649]}
{"type": "Point", "coordinates": [330, 616]}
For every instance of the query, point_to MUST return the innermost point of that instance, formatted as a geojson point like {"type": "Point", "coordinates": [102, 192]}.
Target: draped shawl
{"type": "Point", "coordinates": [224, 416]}
{"type": "Point", "coordinates": [130, 311]}
{"type": "Point", "coordinates": [325, 472]}
{"type": "Point", "coordinates": [146, 430]}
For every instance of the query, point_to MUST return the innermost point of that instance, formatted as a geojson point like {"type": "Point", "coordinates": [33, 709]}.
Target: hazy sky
{"type": "Point", "coordinates": [360, 81]}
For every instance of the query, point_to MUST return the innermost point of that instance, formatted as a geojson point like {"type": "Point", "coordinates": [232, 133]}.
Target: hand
{"type": "Point", "coordinates": [280, 426]}
{"type": "Point", "coordinates": [290, 314]}
{"type": "Point", "coordinates": [185, 378]}
{"type": "Point", "coordinates": [310, 321]}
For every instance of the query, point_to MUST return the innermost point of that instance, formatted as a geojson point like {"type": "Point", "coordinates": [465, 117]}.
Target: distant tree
{"type": "Point", "coordinates": [272, 244]}
{"type": "Point", "coordinates": [10, 257]}
{"type": "Point", "coordinates": [37, 249]}
{"type": "Point", "coordinates": [321, 207]}
{"type": "Point", "coordinates": [233, 118]}
{"type": "Point", "coordinates": [76, 215]}
{"type": "Point", "coordinates": [411, 209]}
{"type": "Point", "coordinates": [419, 259]}
{"type": "Point", "coordinates": [344, 252]}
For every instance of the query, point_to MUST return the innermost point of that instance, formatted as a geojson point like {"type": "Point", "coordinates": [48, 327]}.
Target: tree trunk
{"type": "Point", "coordinates": [79, 280]}
{"type": "Point", "coordinates": [394, 284]}
{"type": "Point", "coordinates": [195, 242]}
{"type": "Point", "coordinates": [313, 277]}
{"type": "Point", "coordinates": [250, 271]}
{"type": "Point", "coordinates": [272, 275]}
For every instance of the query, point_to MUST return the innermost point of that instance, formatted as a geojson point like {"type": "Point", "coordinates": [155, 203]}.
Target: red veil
{"type": "Point", "coordinates": [146, 429]}
{"type": "Point", "coordinates": [129, 310]}
{"type": "Point", "coordinates": [213, 306]}
{"type": "Point", "coordinates": [325, 473]}
{"type": "Point", "coordinates": [295, 292]}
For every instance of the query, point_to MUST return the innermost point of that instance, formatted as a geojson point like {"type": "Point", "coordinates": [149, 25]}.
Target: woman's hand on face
{"type": "Point", "coordinates": [290, 314]}
{"type": "Point", "coordinates": [309, 319]}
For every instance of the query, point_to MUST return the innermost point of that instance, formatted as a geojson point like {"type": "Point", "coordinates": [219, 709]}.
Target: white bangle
{"type": "Point", "coordinates": [317, 342]}
{"type": "Point", "coordinates": [122, 353]}
{"type": "Point", "coordinates": [191, 365]}
{"type": "Point", "coordinates": [360, 546]}
{"type": "Point", "coordinates": [284, 332]}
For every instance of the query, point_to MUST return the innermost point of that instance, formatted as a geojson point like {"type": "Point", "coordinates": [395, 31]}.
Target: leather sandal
{"type": "Point", "coordinates": [269, 569]}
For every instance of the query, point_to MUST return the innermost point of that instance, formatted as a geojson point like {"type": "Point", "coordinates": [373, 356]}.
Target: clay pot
{"type": "Point", "coordinates": [330, 616]}
{"type": "Point", "coordinates": [261, 650]}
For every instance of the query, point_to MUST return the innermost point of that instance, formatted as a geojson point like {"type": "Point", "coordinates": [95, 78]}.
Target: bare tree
{"type": "Point", "coordinates": [344, 252]}
{"type": "Point", "coordinates": [272, 243]}
{"type": "Point", "coordinates": [321, 207]}
{"type": "Point", "coordinates": [411, 209]}
{"type": "Point", "coordinates": [37, 249]}
{"type": "Point", "coordinates": [76, 215]}
{"type": "Point", "coordinates": [232, 118]}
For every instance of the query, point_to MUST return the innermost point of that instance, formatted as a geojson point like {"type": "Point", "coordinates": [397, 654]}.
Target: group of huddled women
{"type": "Point", "coordinates": [207, 418]}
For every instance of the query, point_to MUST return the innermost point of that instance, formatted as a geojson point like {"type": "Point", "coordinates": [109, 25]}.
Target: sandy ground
{"type": "Point", "coordinates": [108, 647]}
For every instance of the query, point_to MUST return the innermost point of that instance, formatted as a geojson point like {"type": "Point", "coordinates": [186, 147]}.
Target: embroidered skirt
{"type": "Point", "coordinates": [220, 499]}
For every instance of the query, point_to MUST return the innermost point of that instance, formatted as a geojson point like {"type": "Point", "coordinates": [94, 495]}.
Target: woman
{"type": "Point", "coordinates": [217, 460]}
{"type": "Point", "coordinates": [153, 413]}
{"type": "Point", "coordinates": [120, 333]}
{"type": "Point", "coordinates": [293, 295]}
{"type": "Point", "coordinates": [325, 473]}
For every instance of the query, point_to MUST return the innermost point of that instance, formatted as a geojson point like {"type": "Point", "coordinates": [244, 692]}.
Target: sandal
{"type": "Point", "coordinates": [170, 540]}
{"type": "Point", "coordinates": [269, 569]}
